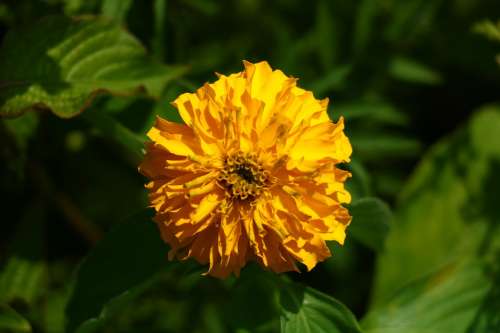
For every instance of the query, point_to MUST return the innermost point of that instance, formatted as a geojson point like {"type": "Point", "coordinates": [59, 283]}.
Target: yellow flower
{"type": "Point", "coordinates": [251, 175]}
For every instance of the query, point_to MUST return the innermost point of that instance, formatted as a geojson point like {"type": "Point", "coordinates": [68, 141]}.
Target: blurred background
{"type": "Point", "coordinates": [404, 74]}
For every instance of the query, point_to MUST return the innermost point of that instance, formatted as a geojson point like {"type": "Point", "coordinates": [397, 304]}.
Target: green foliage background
{"type": "Point", "coordinates": [418, 82]}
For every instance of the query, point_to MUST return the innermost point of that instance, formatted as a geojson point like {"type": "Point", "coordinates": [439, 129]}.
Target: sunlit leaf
{"type": "Point", "coordinates": [304, 309]}
{"type": "Point", "coordinates": [447, 208]}
{"type": "Point", "coordinates": [488, 29]}
{"type": "Point", "coordinates": [62, 64]}
{"type": "Point", "coordinates": [445, 301]}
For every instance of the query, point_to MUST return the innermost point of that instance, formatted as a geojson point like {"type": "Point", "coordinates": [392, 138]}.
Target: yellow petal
{"type": "Point", "coordinates": [205, 207]}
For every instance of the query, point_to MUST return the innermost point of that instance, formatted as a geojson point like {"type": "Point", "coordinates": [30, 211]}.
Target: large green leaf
{"type": "Point", "coordinates": [62, 64]}
{"type": "Point", "coordinates": [371, 219]}
{"type": "Point", "coordinates": [12, 322]}
{"type": "Point", "coordinates": [446, 301]}
{"type": "Point", "coordinates": [126, 258]}
{"type": "Point", "coordinates": [254, 302]}
{"type": "Point", "coordinates": [447, 207]}
{"type": "Point", "coordinates": [306, 310]}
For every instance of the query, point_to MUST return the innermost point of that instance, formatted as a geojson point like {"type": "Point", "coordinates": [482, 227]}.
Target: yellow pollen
{"type": "Point", "coordinates": [242, 176]}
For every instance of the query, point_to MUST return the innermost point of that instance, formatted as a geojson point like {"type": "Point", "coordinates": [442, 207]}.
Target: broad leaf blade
{"type": "Point", "coordinates": [62, 64]}
{"type": "Point", "coordinates": [305, 310]}
{"type": "Point", "coordinates": [445, 301]}
{"type": "Point", "coordinates": [448, 206]}
{"type": "Point", "coordinates": [127, 257]}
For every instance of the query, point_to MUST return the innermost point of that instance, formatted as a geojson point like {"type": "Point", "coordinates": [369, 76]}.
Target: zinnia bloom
{"type": "Point", "coordinates": [251, 175]}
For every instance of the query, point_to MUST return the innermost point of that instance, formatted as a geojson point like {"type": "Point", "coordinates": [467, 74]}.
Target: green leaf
{"type": "Point", "coordinates": [22, 128]}
{"type": "Point", "coordinates": [254, 303]}
{"type": "Point", "coordinates": [359, 185]}
{"type": "Point", "coordinates": [364, 24]}
{"type": "Point", "coordinates": [445, 301]}
{"type": "Point", "coordinates": [488, 29]}
{"type": "Point", "coordinates": [370, 224]}
{"type": "Point", "coordinates": [306, 310]}
{"type": "Point", "coordinates": [22, 279]}
{"type": "Point", "coordinates": [334, 79]}
{"type": "Point", "coordinates": [411, 18]}
{"type": "Point", "coordinates": [160, 29]}
{"type": "Point", "coordinates": [111, 128]}
{"type": "Point", "coordinates": [115, 305]}
{"type": "Point", "coordinates": [372, 147]}
{"type": "Point", "coordinates": [326, 35]}
{"type": "Point", "coordinates": [408, 70]}
{"type": "Point", "coordinates": [447, 208]}
{"type": "Point", "coordinates": [207, 7]}
{"type": "Point", "coordinates": [12, 322]}
{"type": "Point", "coordinates": [487, 318]}
{"type": "Point", "coordinates": [371, 111]}
{"type": "Point", "coordinates": [53, 311]}
{"type": "Point", "coordinates": [24, 276]}
{"type": "Point", "coordinates": [127, 257]}
{"type": "Point", "coordinates": [62, 64]}
{"type": "Point", "coordinates": [116, 9]}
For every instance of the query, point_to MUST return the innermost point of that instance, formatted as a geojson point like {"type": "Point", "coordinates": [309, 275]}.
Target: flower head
{"type": "Point", "coordinates": [251, 175]}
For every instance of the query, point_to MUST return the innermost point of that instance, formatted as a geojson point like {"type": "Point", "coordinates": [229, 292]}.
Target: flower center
{"type": "Point", "coordinates": [243, 177]}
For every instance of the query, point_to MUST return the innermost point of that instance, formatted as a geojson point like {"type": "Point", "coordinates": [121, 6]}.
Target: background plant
{"type": "Point", "coordinates": [417, 81]}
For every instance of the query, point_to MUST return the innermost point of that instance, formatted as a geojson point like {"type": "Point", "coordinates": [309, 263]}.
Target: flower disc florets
{"type": "Point", "coordinates": [251, 175]}
{"type": "Point", "coordinates": [243, 177]}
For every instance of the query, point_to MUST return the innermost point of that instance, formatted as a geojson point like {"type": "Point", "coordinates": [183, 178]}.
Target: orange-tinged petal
{"type": "Point", "coordinates": [206, 206]}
